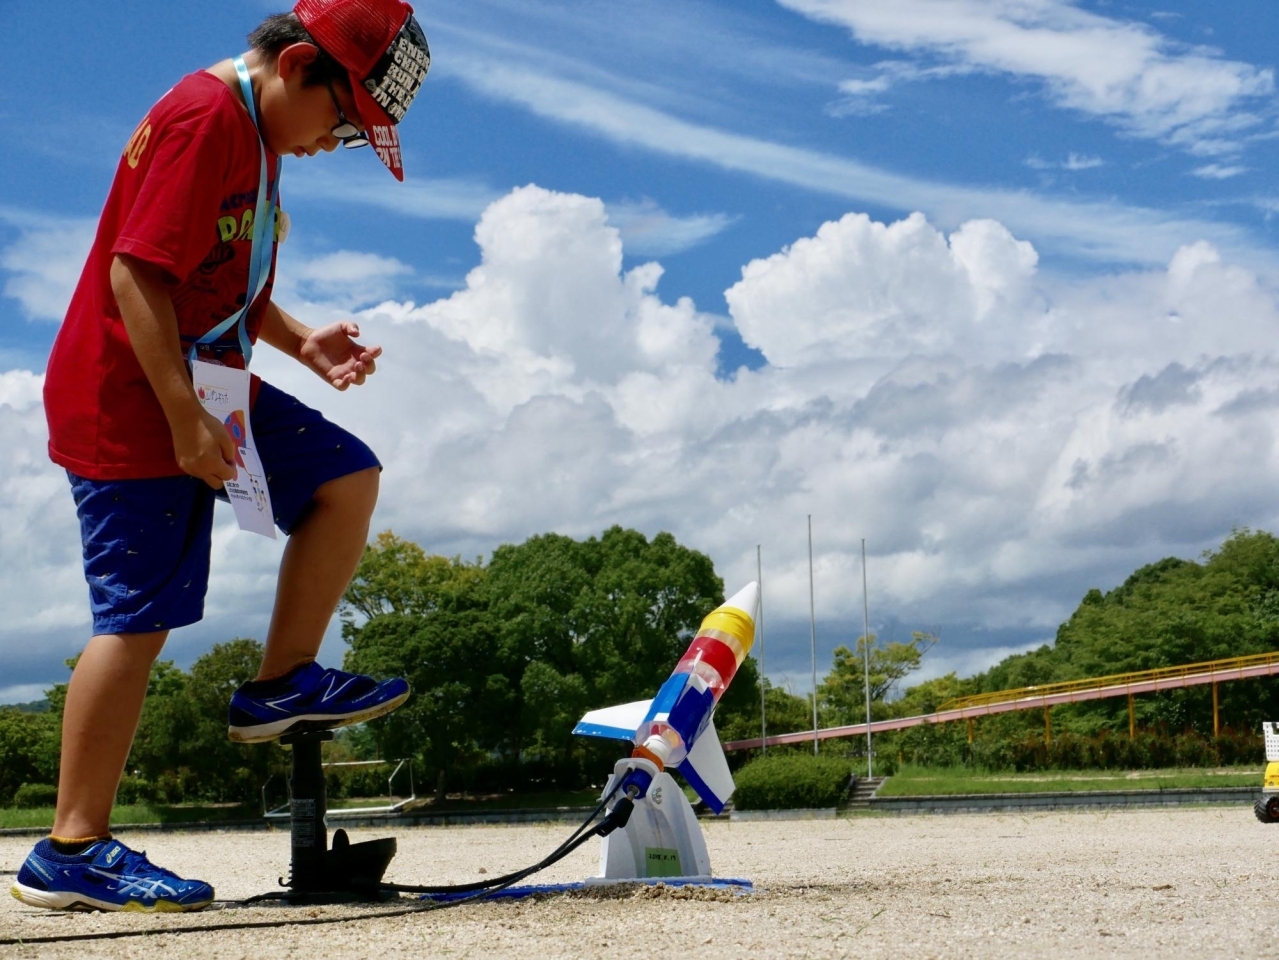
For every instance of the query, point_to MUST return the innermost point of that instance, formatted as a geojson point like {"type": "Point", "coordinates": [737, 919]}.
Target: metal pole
{"type": "Point", "coordinates": [870, 769]}
{"type": "Point", "coordinates": [1132, 719]}
{"type": "Point", "coordinates": [763, 700]}
{"type": "Point", "coordinates": [1048, 725]}
{"type": "Point", "coordinates": [812, 628]}
{"type": "Point", "coordinates": [1216, 729]}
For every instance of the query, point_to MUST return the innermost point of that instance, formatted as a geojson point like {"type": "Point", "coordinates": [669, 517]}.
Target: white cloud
{"type": "Point", "coordinates": [40, 578]}
{"type": "Point", "coordinates": [649, 231]}
{"type": "Point", "coordinates": [1073, 162]}
{"type": "Point", "coordinates": [1003, 437]}
{"type": "Point", "coordinates": [45, 261]}
{"type": "Point", "coordinates": [1110, 232]}
{"type": "Point", "coordinates": [344, 278]}
{"type": "Point", "coordinates": [864, 290]}
{"type": "Point", "coordinates": [421, 197]}
{"type": "Point", "coordinates": [862, 96]}
{"type": "Point", "coordinates": [1121, 71]}
{"type": "Point", "coordinates": [1219, 171]}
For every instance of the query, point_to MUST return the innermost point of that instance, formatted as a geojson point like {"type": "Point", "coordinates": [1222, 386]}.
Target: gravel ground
{"type": "Point", "coordinates": [1114, 884]}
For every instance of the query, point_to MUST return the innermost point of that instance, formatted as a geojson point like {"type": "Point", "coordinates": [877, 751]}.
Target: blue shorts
{"type": "Point", "coordinates": [147, 542]}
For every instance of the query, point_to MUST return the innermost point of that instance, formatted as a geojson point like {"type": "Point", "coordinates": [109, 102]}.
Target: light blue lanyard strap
{"type": "Point", "coordinates": [263, 237]}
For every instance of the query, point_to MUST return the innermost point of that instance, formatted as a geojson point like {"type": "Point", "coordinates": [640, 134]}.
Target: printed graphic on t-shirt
{"type": "Point", "coordinates": [137, 144]}
{"type": "Point", "coordinates": [217, 288]}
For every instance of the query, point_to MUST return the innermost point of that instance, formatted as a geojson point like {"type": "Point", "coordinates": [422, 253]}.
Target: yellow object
{"type": "Point", "coordinates": [732, 626]}
{"type": "Point", "coordinates": [1272, 776]}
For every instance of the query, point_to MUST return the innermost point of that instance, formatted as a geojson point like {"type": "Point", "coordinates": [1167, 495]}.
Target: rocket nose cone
{"type": "Point", "coordinates": [745, 599]}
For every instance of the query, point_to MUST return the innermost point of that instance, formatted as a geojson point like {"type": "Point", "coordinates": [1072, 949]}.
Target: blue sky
{"type": "Point", "coordinates": [979, 408]}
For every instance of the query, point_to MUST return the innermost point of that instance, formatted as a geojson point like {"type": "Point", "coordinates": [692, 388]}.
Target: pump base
{"type": "Point", "coordinates": [347, 872]}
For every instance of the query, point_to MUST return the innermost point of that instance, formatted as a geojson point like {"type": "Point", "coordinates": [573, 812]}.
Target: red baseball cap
{"type": "Point", "coordinates": [384, 50]}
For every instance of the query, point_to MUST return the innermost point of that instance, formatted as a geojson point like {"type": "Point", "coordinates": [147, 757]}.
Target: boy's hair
{"type": "Point", "coordinates": [281, 30]}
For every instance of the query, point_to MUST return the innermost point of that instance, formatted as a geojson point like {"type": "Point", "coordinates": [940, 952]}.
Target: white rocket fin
{"type": "Point", "coordinates": [706, 769]}
{"type": "Point", "coordinates": [614, 723]}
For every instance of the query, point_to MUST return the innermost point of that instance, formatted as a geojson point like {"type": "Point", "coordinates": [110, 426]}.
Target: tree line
{"type": "Point", "coordinates": [505, 656]}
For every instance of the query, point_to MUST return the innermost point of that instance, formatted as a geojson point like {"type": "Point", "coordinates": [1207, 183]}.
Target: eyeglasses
{"type": "Point", "coordinates": [347, 132]}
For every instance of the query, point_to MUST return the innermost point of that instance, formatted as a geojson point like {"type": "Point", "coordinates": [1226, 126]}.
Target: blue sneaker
{"type": "Point", "coordinates": [106, 876]}
{"type": "Point", "coordinates": [309, 698]}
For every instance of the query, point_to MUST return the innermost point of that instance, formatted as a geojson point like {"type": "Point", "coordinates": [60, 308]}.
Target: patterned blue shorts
{"type": "Point", "coordinates": [147, 542]}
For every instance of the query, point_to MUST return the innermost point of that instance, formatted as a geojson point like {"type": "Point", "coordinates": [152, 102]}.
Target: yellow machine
{"type": "Point", "coordinates": [1266, 806]}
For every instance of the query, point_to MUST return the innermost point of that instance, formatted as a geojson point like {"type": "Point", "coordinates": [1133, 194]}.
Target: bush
{"type": "Point", "coordinates": [134, 790]}
{"type": "Point", "coordinates": [31, 795]}
{"type": "Point", "coordinates": [791, 781]}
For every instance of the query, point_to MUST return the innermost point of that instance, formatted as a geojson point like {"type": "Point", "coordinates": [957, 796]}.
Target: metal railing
{"type": "Point", "coordinates": [1047, 695]}
{"type": "Point", "coordinates": [1229, 668]}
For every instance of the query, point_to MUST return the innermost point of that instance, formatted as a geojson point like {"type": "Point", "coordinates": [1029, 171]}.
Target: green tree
{"type": "Point", "coordinates": [842, 694]}
{"type": "Point", "coordinates": [28, 743]}
{"type": "Point", "coordinates": [181, 746]}
{"type": "Point", "coordinates": [505, 657]}
{"type": "Point", "coordinates": [397, 576]}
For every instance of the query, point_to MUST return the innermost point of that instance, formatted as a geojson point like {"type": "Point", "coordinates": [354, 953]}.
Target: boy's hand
{"type": "Point", "coordinates": [204, 449]}
{"type": "Point", "coordinates": [333, 354]}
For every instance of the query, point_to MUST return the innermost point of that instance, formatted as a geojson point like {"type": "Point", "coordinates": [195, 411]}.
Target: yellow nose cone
{"type": "Point", "coordinates": [733, 621]}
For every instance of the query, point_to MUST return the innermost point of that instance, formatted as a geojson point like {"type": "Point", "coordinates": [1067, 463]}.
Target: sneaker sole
{"type": "Point", "coordinates": [262, 732]}
{"type": "Point", "coordinates": [53, 900]}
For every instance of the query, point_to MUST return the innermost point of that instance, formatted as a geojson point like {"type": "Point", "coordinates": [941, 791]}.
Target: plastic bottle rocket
{"type": "Point", "coordinates": [675, 729]}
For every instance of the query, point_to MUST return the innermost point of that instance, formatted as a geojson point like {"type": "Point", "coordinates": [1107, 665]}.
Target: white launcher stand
{"type": "Point", "coordinates": [661, 841]}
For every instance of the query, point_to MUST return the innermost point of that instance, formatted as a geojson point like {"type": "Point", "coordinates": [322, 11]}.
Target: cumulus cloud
{"type": "Point", "coordinates": [1003, 437]}
{"type": "Point", "coordinates": [861, 289]}
{"type": "Point", "coordinates": [1121, 71]}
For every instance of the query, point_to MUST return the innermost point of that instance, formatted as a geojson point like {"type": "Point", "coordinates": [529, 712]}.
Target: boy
{"type": "Point", "coordinates": [179, 276]}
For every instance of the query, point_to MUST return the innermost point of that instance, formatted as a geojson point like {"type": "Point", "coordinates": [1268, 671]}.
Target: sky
{"type": "Point", "coordinates": [990, 284]}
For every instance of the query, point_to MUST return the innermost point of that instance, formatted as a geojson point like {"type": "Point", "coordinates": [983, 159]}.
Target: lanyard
{"type": "Point", "coordinates": [262, 243]}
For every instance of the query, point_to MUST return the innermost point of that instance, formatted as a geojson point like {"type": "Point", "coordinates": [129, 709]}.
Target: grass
{"type": "Point", "coordinates": [911, 781]}
{"type": "Point", "coordinates": [11, 817]}
{"type": "Point", "coordinates": [137, 813]}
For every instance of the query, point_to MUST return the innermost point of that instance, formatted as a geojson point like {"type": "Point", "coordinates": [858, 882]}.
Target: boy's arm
{"type": "Point", "coordinates": [330, 351]}
{"type": "Point", "coordinates": [201, 444]}
{"type": "Point", "coordinates": [283, 331]}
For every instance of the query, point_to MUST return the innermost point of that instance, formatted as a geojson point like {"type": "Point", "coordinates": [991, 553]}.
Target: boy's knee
{"type": "Point", "coordinates": [355, 491]}
{"type": "Point", "coordinates": [133, 645]}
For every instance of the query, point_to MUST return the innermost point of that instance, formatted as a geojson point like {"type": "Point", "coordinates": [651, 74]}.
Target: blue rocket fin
{"type": "Point", "coordinates": [706, 769]}
{"type": "Point", "coordinates": [614, 723]}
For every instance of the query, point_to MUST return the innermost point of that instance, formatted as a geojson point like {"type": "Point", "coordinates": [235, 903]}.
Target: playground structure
{"type": "Point", "coordinates": [1046, 696]}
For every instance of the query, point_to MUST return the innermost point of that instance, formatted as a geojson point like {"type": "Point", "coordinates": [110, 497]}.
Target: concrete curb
{"type": "Point", "coordinates": [994, 802]}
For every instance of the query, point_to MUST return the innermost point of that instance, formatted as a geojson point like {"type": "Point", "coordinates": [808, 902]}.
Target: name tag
{"type": "Point", "coordinates": [224, 392]}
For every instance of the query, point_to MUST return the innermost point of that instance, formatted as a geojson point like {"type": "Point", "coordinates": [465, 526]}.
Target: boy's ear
{"type": "Point", "coordinates": [294, 59]}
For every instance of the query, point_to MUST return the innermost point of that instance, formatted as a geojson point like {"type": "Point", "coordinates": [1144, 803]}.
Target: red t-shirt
{"type": "Point", "coordinates": [183, 198]}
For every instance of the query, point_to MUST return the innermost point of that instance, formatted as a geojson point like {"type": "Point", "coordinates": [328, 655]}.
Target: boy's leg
{"type": "Point", "coordinates": [324, 484]}
{"type": "Point", "coordinates": [104, 702]}
{"type": "Point", "coordinates": [319, 561]}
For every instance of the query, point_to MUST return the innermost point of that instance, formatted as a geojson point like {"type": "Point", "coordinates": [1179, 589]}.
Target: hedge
{"type": "Point", "coordinates": [32, 795]}
{"type": "Point", "coordinates": [792, 781]}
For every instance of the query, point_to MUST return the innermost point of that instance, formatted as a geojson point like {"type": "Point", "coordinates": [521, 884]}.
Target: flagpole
{"type": "Point", "coordinates": [870, 770]}
{"type": "Point", "coordinates": [759, 625]}
{"type": "Point", "coordinates": [812, 628]}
